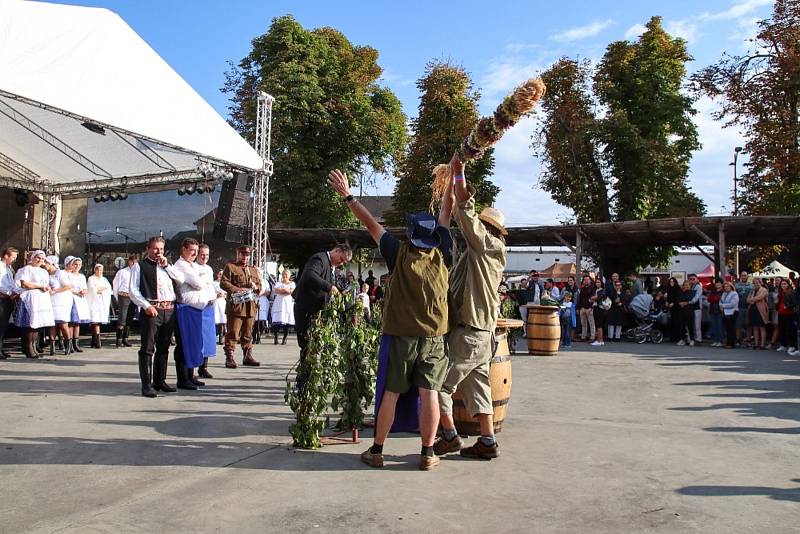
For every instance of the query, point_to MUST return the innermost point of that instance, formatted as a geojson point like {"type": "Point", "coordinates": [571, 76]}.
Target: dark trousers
{"type": "Point", "coordinates": [127, 310]}
{"type": "Point", "coordinates": [180, 362]}
{"type": "Point", "coordinates": [788, 330]}
{"type": "Point", "coordinates": [6, 307]}
{"type": "Point", "coordinates": [730, 329]}
{"type": "Point", "coordinates": [302, 318]}
{"type": "Point", "coordinates": [156, 338]}
{"type": "Point", "coordinates": [687, 322]}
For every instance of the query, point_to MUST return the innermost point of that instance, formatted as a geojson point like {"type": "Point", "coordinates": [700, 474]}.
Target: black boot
{"type": "Point", "coordinates": [193, 379]}
{"type": "Point", "coordinates": [160, 374]}
{"type": "Point", "coordinates": [75, 346]}
{"type": "Point", "coordinates": [52, 347]}
{"type": "Point", "coordinates": [97, 343]}
{"type": "Point", "coordinates": [125, 342]}
{"type": "Point", "coordinates": [203, 372]}
{"type": "Point", "coordinates": [285, 335]}
{"type": "Point", "coordinates": [118, 343]}
{"type": "Point", "coordinates": [146, 373]}
{"type": "Point", "coordinates": [184, 382]}
{"type": "Point", "coordinates": [275, 331]}
{"type": "Point", "coordinates": [59, 344]}
{"type": "Point", "coordinates": [67, 347]}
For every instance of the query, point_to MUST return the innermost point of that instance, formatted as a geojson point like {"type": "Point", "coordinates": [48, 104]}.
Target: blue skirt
{"type": "Point", "coordinates": [73, 316]}
{"type": "Point", "coordinates": [23, 319]}
{"type": "Point", "coordinates": [406, 415]}
{"type": "Point", "coordinates": [198, 334]}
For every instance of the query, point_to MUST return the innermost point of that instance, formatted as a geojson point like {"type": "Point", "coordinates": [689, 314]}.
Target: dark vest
{"type": "Point", "coordinates": [148, 279]}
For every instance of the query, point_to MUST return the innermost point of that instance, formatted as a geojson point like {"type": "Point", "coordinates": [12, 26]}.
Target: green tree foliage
{"type": "Point", "coordinates": [619, 148]}
{"type": "Point", "coordinates": [329, 112]}
{"type": "Point", "coordinates": [759, 92]}
{"type": "Point", "coordinates": [447, 113]}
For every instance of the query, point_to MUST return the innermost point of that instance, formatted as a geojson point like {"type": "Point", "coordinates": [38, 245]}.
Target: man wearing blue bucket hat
{"type": "Point", "coordinates": [415, 316]}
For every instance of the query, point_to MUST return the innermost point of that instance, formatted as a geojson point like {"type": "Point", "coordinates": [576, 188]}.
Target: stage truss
{"type": "Point", "coordinates": [259, 238]}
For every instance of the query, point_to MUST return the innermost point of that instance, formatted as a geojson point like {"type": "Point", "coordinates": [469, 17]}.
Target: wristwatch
{"type": "Point", "coordinates": [348, 199]}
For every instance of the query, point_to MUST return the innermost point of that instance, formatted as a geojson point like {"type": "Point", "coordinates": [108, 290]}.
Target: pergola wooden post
{"type": "Point", "coordinates": [578, 252]}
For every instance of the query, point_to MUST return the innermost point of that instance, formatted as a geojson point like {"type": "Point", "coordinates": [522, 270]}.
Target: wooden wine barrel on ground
{"type": "Point", "coordinates": [544, 330]}
{"type": "Point", "coordinates": [500, 380]}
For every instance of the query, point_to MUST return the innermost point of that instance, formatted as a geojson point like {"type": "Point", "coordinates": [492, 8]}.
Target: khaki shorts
{"type": "Point", "coordinates": [470, 355]}
{"type": "Point", "coordinates": [420, 361]}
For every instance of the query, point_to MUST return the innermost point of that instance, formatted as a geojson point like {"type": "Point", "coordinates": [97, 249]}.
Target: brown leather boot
{"type": "Point", "coordinates": [230, 363]}
{"type": "Point", "coordinates": [248, 359]}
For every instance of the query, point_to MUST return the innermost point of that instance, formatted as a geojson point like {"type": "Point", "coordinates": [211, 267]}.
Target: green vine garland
{"type": "Point", "coordinates": [340, 364]}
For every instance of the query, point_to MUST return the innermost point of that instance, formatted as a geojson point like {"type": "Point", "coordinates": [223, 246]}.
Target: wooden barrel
{"type": "Point", "coordinates": [500, 380]}
{"type": "Point", "coordinates": [544, 330]}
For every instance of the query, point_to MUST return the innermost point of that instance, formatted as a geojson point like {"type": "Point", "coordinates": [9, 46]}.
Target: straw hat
{"type": "Point", "coordinates": [494, 217]}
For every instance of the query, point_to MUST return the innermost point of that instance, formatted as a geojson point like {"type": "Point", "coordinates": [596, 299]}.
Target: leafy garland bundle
{"type": "Point", "coordinates": [359, 364]}
{"type": "Point", "coordinates": [341, 364]}
{"type": "Point", "coordinates": [489, 130]}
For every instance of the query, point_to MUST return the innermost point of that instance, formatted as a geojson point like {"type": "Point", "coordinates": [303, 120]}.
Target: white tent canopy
{"type": "Point", "coordinates": [774, 269]}
{"type": "Point", "coordinates": [86, 105]}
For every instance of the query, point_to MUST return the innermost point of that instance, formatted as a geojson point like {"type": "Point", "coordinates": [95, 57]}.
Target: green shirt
{"type": "Point", "coordinates": [473, 299]}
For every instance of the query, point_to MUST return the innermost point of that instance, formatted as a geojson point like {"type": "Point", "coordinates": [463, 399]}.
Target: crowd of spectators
{"type": "Point", "coordinates": [752, 312]}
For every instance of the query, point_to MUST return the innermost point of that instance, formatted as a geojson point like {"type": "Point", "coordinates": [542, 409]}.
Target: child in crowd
{"type": "Point", "coordinates": [568, 322]}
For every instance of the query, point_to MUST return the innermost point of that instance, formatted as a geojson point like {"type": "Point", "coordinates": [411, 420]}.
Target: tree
{"type": "Point", "coordinates": [329, 112]}
{"type": "Point", "coordinates": [620, 149]}
{"type": "Point", "coordinates": [759, 92]}
{"type": "Point", "coordinates": [447, 113]}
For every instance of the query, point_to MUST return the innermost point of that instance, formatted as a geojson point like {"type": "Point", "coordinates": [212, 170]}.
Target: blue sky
{"type": "Point", "coordinates": [499, 43]}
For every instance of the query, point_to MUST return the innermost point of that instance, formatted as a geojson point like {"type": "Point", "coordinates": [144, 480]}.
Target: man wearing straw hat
{"type": "Point", "coordinates": [474, 308]}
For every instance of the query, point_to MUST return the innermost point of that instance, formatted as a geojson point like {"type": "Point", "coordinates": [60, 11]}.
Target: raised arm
{"type": "Point", "coordinates": [338, 181]}
{"type": "Point", "coordinates": [446, 209]}
{"type": "Point", "coordinates": [459, 182]}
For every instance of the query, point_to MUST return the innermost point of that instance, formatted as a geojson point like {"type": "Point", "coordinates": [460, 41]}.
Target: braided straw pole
{"type": "Point", "coordinates": [489, 130]}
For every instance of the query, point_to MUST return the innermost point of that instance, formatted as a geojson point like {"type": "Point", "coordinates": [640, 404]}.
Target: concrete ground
{"type": "Point", "coordinates": [627, 439]}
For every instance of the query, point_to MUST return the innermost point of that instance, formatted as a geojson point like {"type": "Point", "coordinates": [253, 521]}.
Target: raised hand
{"type": "Point", "coordinates": [338, 181]}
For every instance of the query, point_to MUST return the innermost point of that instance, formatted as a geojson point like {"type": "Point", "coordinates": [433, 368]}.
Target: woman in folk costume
{"type": "Point", "coordinates": [99, 299]}
{"type": "Point", "coordinates": [262, 320]}
{"type": "Point", "coordinates": [35, 310]}
{"type": "Point", "coordinates": [80, 307]}
{"type": "Point", "coordinates": [61, 298]}
{"type": "Point", "coordinates": [283, 307]}
{"type": "Point", "coordinates": [219, 309]}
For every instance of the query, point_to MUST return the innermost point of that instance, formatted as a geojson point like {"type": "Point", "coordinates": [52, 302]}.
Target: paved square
{"type": "Point", "coordinates": [627, 439]}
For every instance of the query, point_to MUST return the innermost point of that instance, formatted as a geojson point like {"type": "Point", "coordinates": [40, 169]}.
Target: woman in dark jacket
{"type": "Point", "coordinates": [599, 312]}
{"type": "Point", "coordinates": [672, 297]}
{"type": "Point", "coordinates": [685, 314]}
{"type": "Point", "coordinates": [786, 307]}
{"type": "Point", "coordinates": [616, 314]}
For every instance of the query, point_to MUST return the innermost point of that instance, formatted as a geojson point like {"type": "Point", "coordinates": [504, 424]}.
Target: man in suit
{"type": "Point", "coordinates": [237, 278]}
{"type": "Point", "coordinates": [8, 293]}
{"type": "Point", "coordinates": [315, 284]}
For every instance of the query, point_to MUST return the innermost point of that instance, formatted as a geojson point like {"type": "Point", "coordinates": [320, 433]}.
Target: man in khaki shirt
{"type": "Point", "coordinates": [474, 306]}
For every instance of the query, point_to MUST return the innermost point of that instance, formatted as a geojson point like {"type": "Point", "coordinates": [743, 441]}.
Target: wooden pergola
{"type": "Point", "coordinates": [717, 232]}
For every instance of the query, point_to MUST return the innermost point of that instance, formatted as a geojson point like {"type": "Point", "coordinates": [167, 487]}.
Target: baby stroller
{"type": "Point", "coordinates": [646, 328]}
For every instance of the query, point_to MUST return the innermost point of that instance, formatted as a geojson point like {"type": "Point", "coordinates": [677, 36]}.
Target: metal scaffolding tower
{"type": "Point", "coordinates": [258, 237]}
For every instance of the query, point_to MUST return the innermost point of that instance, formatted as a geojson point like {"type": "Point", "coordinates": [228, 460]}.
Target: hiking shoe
{"type": "Point", "coordinates": [479, 450]}
{"type": "Point", "coordinates": [596, 343]}
{"type": "Point", "coordinates": [443, 446]}
{"type": "Point", "coordinates": [426, 463]}
{"type": "Point", "coordinates": [681, 343]}
{"type": "Point", "coordinates": [779, 349]}
{"type": "Point", "coordinates": [793, 352]}
{"type": "Point", "coordinates": [372, 459]}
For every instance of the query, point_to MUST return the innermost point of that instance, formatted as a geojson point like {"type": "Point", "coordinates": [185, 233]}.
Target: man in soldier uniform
{"type": "Point", "coordinates": [238, 278]}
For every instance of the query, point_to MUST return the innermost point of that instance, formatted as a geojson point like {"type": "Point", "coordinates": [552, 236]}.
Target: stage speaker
{"type": "Point", "coordinates": [232, 222]}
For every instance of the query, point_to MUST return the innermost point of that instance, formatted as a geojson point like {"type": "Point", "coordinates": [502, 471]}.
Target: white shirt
{"type": "Point", "coordinates": [8, 286]}
{"type": "Point", "coordinates": [197, 288]}
{"type": "Point", "coordinates": [122, 281]}
{"type": "Point", "coordinates": [164, 278]}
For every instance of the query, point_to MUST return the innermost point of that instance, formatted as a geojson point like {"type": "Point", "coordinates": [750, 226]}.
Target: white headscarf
{"type": "Point", "coordinates": [52, 260]}
{"type": "Point", "coordinates": [68, 260]}
{"type": "Point", "coordinates": [36, 253]}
